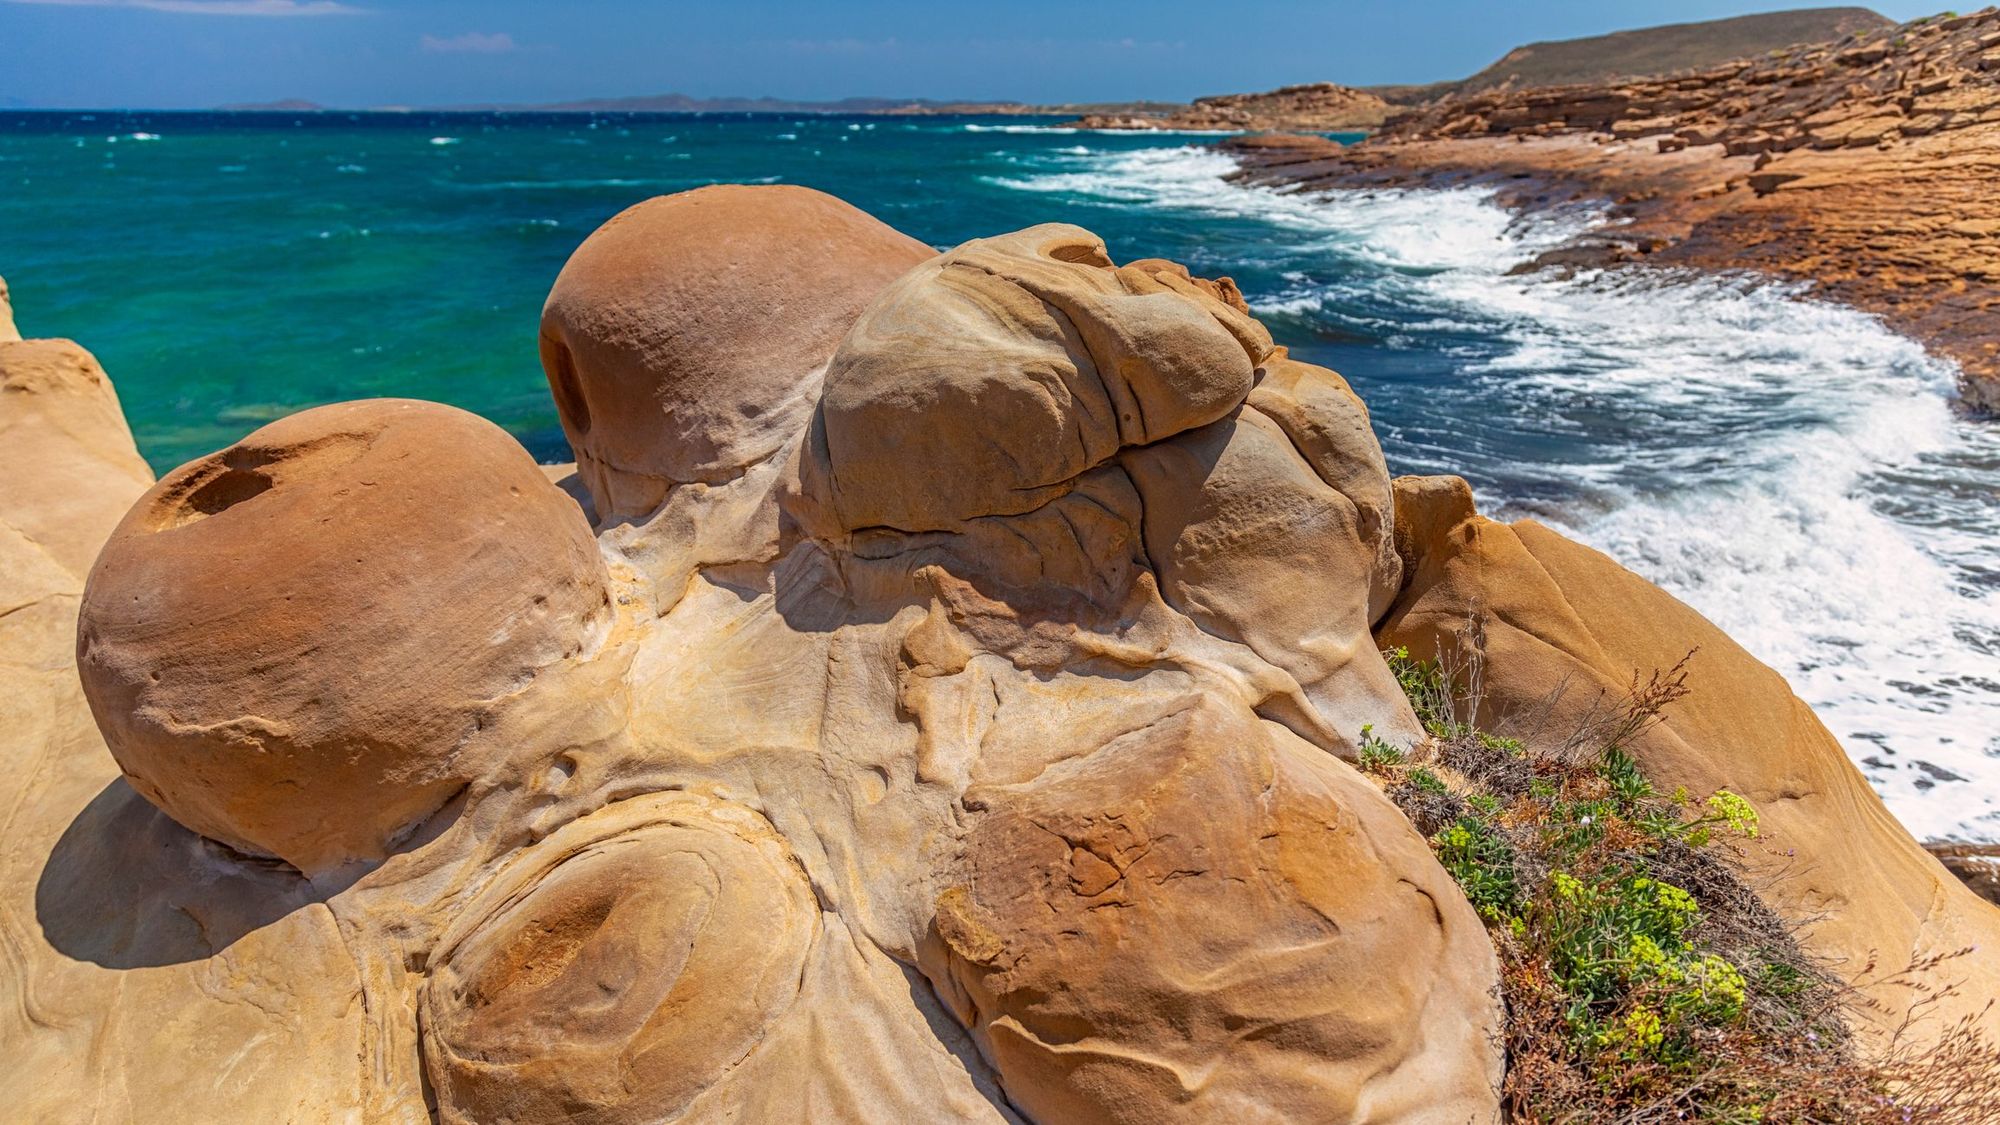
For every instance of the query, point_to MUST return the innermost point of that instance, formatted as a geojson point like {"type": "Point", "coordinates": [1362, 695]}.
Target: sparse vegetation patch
{"type": "Point", "coordinates": [1644, 980]}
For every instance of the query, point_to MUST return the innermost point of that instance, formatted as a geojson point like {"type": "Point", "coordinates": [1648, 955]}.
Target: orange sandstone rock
{"type": "Point", "coordinates": [63, 425]}
{"type": "Point", "coordinates": [685, 339]}
{"type": "Point", "coordinates": [1209, 920]}
{"type": "Point", "coordinates": [293, 645]}
{"type": "Point", "coordinates": [955, 739]}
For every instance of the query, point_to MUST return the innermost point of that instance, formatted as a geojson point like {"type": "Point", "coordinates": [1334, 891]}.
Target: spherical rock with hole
{"type": "Point", "coordinates": [686, 338]}
{"type": "Point", "coordinates": [292, 645]}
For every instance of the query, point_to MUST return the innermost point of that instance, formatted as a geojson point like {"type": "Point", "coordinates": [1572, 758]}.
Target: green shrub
{"type": "Point", "coordinates": [1482, 861]}
{"type": "Point", "coordinates": [1376, 755]}
{"type": "Point", "coordinates": [1644, 981]}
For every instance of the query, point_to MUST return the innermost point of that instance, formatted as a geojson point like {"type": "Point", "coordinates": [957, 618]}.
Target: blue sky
{"type": "Point", "coordinates": [200, 53]}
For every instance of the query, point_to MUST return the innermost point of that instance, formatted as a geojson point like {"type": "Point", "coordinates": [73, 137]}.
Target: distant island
{"type": "Point", "coordinates": [1315, 107]}
{"type": "Point", "coordinates": [1620, 56]}
{"type": "Point", "coordinates": [685, 103]}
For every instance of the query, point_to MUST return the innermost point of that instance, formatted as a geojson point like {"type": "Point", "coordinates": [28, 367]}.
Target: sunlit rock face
{"type": "Point", "coordinates": [945, 718]}
{"type": "Point", "coordinates": [293, 646]}
{"type": "Point", "coordinates": [685, 339]}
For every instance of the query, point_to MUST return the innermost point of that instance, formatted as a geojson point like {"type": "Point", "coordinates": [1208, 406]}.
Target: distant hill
{"type": "Point", "coordinates": [683, 103]}
{"type": "Point", "coordinates": [289, 105]}
{"type": "Point", "coordinates": [1649, 51]}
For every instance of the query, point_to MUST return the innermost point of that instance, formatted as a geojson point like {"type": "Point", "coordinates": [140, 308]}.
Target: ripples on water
{"type": "Point", "coordinates": [1790, 468]}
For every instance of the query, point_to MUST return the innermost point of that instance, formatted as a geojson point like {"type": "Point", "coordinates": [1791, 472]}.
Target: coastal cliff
{"type": "Point", "coordinates": [1863, 166]}
{"type": "Point", "coordinates": [986, 686]}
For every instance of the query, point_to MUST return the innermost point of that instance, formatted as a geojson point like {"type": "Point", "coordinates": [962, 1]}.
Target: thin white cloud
{"type": "Point", "coordinates": [841, 46]}
{"type": "Point", "coordinates": [214, 7]}
{"type": "Point", "coordinates": [470, 43]}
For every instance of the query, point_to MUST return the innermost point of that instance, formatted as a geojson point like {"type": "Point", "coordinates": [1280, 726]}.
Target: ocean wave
{"type": "Point", "coordinates": [975, 127]}
{"type": "Point", "coordinates": [1789, 467]}
{"type": "Point", "coordinates": [1167, 132]}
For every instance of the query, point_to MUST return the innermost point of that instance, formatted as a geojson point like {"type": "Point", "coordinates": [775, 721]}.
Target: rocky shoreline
{"type": "Point", "coordinates": [1321, 107]}
{"type": "Point", "coordinates": [1864, 167]}
{"type": "Point", "coordinates": [971, 672]}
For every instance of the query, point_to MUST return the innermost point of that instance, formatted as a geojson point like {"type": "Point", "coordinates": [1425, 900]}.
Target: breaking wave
{"type": "Point", "coordinates": [1789, 467]}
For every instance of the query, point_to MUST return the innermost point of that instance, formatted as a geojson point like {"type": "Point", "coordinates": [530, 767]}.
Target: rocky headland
{"type": "Point", "coordinates": [997, 685]}
{"type": "Point", "coordinates": [1864, 166]}
{"type": "Point", "coordinates": [1321, 107]}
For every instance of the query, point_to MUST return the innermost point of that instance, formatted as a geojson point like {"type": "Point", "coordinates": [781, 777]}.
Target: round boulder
{"type": "Point", "coordinates": [686, 338]}
{"type": "Point", "coordinates": [290, 644]}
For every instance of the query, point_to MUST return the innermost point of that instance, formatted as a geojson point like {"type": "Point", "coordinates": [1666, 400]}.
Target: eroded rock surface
{"type": "Point", "coordinates": [62, 424]}
{"type": "Point", "coordinates": [948, 722]}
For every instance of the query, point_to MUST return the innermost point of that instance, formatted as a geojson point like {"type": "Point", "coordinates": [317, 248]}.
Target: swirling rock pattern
{"type": "Point", "coordinates": [947, 721]}
{"type": "Point", "coordinates": [619, 968]}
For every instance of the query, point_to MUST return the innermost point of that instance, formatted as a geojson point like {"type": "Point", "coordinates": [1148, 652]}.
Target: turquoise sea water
{"type": "Point", "coordinates": [1791, 469]}
{"type": "Point", "coordinates": [229, 269]}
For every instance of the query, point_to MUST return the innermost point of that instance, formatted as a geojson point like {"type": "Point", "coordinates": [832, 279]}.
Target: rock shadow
{"type": "Point", "coordinates": [127, 888]}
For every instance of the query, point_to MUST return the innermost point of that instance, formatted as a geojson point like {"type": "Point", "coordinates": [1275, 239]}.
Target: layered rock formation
{"type": "Point", "coordinates": [1648, 51]}
{"type": "Point", "coordinates": [1319, 107]}
{"type": "Point", "coordinates": [949, 721]}
{"type": "Point", "coordinates": [1864, 165]}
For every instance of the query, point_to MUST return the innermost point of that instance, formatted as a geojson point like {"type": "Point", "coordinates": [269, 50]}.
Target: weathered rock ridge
{"type": "Point", "coordinates": [1864, 165]}
{"type": "Point", "coordinates": [945, 717]}
{"type": "Point", "coordinates": [1319, 107]}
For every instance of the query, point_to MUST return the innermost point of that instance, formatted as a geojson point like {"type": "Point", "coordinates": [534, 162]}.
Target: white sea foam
{"type": "Point", "coordinates": [454, 140]}
{"type": "Point", "coordinates": [1790, 468]}
{"type": "Point", "coordinates": [974, 127]}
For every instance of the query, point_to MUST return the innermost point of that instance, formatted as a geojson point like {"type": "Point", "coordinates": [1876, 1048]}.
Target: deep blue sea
{"type": "Point", "coordinates": [1790, 468]}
